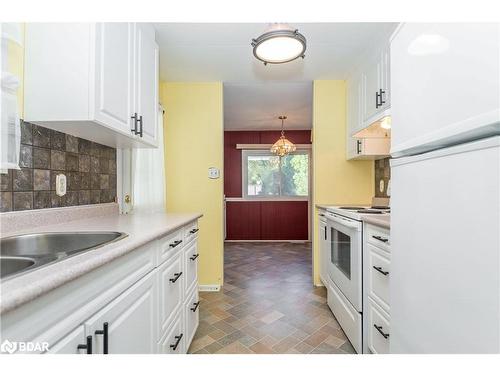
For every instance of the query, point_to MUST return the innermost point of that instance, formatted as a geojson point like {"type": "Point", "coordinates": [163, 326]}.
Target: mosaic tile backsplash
{"type": "Point", "coordinates": [90, 170]}
{"type": "Point", "coordinates": [382, 172]}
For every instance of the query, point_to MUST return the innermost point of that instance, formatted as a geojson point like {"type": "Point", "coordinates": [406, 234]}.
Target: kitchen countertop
{"type": "Point", "coordinates": [379, 220]}
{"type": "Point", "coordinates": [141, 229]}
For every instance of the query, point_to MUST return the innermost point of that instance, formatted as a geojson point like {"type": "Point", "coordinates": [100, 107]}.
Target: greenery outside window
{"type": "Point", "coordinates": [268, 176]}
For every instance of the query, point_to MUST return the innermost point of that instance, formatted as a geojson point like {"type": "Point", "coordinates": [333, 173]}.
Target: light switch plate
{"type": "Point", "coordinates": [213, 173]}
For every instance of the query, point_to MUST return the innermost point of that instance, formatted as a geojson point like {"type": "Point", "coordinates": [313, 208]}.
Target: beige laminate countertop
{"type": "Point", "coordinates": [379, 220]}
{"type": "Point", "coordinates": [141, 229]}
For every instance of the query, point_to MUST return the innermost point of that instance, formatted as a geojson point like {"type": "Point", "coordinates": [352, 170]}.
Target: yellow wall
{"type": "Point", "coordinates": [336, 180]}
{"type": "Point", "coordinates": [193, 129]}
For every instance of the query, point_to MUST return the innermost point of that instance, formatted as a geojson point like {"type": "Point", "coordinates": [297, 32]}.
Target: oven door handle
{"type": "Point", "coordinates": [345, 222]}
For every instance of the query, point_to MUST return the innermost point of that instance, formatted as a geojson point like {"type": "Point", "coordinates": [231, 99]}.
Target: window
{"type": "Point", "coordinates": [267, 176]}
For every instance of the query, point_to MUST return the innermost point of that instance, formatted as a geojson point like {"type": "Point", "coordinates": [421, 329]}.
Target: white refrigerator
{"type": "Point", "coordinates": [445, 196]}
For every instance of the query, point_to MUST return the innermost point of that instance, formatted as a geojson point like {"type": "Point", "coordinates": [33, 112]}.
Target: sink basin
{"type": "Point", "coordinates": [30, 251]}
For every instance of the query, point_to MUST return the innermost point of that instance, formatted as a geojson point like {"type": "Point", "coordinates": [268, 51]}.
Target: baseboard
{"type": "Point", "coordinates": [209, 288]}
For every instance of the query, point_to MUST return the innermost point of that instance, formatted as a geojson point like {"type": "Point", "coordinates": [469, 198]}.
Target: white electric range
{"type": "Point", "coordinates": [344, 241]}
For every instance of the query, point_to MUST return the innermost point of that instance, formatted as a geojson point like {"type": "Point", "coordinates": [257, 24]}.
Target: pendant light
{"type": "Point", "coordinates": [279, 44]}
{"type": "Point", "coordinates": [283, 146]}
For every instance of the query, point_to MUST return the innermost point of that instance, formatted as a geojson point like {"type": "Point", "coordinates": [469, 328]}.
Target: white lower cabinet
{"type": "Point", "coordinates": [128, 325]}
{"type": "Point", "coordinates": [174, 341]}
{"type": "Point", "coordinates": [191, 314]}
{"type": "Point", "coordinates": [376, 289]}
{"type": "Point", "coordinates": [142, 303]}
{"type": "Point", "coordinates": [72, 343]}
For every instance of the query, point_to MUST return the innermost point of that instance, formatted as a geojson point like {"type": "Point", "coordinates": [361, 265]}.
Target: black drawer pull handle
{"type": "Point", "coordinates": [379, 329]}
{"type": "Point", "coordinates": [134, 117]}
{"type": "Point", "coordinates": [175, 243]}
{"type": "Point", "coordinates": [104, 332]}
{"type": "Point", "coordinates": [384, 240]}
{"type": "Point", "coordinates": [87, 346]}
{"type": "Point", "coordinates": [194, 256]}
{"type": "Point", "coordinates": [178, 340]}
{"type": "Point", "coordinates": [196, 304]}
{"type": "Point", "coordinates": [177, 275]}
{"type": "Point", "coordinates": [379, 269]}
{"type": "Point", "coordinates": [193, 231]}
{"type": "Point", "coordinates": [140, 128]}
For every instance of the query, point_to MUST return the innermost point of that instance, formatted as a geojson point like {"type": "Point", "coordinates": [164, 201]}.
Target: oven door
{"type": "Point", "coordinates": [345, 265]}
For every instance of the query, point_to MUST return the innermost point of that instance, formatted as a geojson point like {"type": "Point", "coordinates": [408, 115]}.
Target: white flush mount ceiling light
{"type": "Point", "coordinates": [279, 44]}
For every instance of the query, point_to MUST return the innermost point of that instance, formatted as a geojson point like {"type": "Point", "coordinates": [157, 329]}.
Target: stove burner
{"type": "Point", "coordinates": [368, 211]}
{"type": "Point", "coordinates": [351, 208]}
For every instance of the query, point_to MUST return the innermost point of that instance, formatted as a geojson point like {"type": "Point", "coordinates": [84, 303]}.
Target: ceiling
{"type": "Point", "coordinates": [254, 94]}
{"type": "Point", "coordinates": [256, 106]}
{"type": "Point", "coordinates": [222, 52]}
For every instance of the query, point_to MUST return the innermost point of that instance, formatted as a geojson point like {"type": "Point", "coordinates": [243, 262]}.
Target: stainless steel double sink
{"type": "Point", "coordinates": [27, 252]}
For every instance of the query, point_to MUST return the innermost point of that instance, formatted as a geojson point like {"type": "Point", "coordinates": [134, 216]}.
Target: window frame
{"type": "Point", "coordinates": [282, 197]}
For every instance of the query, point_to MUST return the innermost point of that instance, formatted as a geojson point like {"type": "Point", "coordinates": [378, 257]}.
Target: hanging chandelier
{"type": "Point", "coordinates": [279, 44]}
{"type": "Point", "coordinates": [283, 146]}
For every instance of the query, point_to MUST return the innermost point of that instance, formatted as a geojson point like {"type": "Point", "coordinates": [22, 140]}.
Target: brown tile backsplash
{"type": "Point", "coordinates": [382, 172]}
{"type": "Point", "coordinates": [90, 170]}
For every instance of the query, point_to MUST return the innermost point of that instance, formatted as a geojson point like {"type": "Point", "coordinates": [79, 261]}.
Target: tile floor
{"type": "Point", "coordinates": [268, 305]}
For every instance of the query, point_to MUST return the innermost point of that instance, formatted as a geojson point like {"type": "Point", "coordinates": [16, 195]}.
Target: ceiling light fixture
{"type": "Point", "coordinates": [279, 44]}
{"type": "Point", "coordinates": [283, 146]}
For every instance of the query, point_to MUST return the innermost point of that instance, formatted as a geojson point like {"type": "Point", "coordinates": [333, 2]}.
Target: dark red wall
{"type": "Point", "coordinates": [260, 220]}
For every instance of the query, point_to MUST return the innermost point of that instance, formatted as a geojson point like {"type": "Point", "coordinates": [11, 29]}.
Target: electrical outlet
{"type": "Point", "coordinates": [60, 185]}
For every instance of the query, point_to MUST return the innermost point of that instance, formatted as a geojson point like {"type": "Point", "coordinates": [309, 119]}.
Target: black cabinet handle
{"type": "Point", "coordinates": [377, 96]}
{"type": "Point", "coordinates": [104, 332]}
{"type": "Point", "coordinates": [379, 269]}
{"type": "Point", "coordinates": [325, 233]}
{"type": "Point", "coordinates": [178, 340]}
{"type": "Point", "coordinates": [321, 214]}
{"type": "Point", "coordinates": [87, 346]}
{"type": "Point", "coordinates": [194, 256]}
{"type": "Point", "coordinates": [379, 329]}
{"type": "Point", "coordinates": [140, 127]}
{"type": "Point", "coordinates": [177, 275]}
{"type": "Point", "coordinates": [382, 239]}
{"type": "Point", "coordinates": [175, 243]}
{"type": "Point", "coordinates": [381, 96]}
{"type": "Point", "coordinates": [134, 117]}
{"type": "Point", "coordinates": [193, 231]}
{"type": "Point", "coordinates": [196, 304]}
{"type": "Point", "coordinates": [358, 146]}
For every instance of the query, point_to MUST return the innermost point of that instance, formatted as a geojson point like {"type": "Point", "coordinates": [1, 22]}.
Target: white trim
{"type": "Point", "coordinates": [265, 146]}
{"type": "Point", "coordinates": [209, 288]}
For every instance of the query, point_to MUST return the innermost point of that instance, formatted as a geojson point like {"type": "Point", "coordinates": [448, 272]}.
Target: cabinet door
{"type": "Point", "coordinates": [323, 240]}
{"type": "Point", "coordinates": [114, 75]}
{"type": "Point", "coordinates": [131, 319]}
{"type": "Point", "coordinates": [353, 95]}
{"type": "Point", "coordinates": [371, 86]}
{"type": "Point", "coordinates": [191, 316]}
{"type": "Point", "coordinates": [174, 341]}
{"type": "Point", "coordinates": [69, 343]}
{"type": "Point", "coordinates": [385, 83]}
{"type": "Point", "coordinates": [191, 261]}
{"type": "Point", "coordinates": [146, 81]}
{"type": "Point", "coordinates": [171, 284]}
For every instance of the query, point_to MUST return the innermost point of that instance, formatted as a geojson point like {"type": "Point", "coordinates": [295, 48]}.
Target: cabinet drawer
{"type": "Point", "coordinates": [174, 341]}
{"type": "Point", "coordinates": [191, 316]}
{"type": "Point", "coordinates": [171, 290]}
{"type": "Point", "coordinates": [378, 237]}
{"type": "Point", "coordinates": [378, 272]}
{"type": "Point", "coordinates": [191, 262]}
{"type": "Point", "coordinates": [378, 329]}
{"type": "Point", "coordinates": [169, 244]}
{"type": "Point", "coordinates": [191, 231]}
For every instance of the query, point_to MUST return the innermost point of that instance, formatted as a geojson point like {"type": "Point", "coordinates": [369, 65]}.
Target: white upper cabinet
{"type": "Point", "coordinates": [376, 87]}
{"type": "Point", "coordinates": [93, 80]}
{"type": "Point", "coordinates": [445, 84]}
{"type": "Point", "coordinates": [146, 81]}
{"type": "Point", "coordinates": [114, 79]}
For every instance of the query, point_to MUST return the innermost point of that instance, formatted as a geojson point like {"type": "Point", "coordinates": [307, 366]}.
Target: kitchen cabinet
{"type": "Point", "coordinates": [134, 304]}
{"type": "Point", "coordinates": [324, 247]}
{"type": "Point", "coordinates": [128, 325]}
{"type": "Point", "coordinates": [444, 83]}
{"type": "Point", "coordinates": [368, 103]}
{"type": "Point", "coordinates": [104, 87]}
{"type": "Point", "coordinates": [376, 289]}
